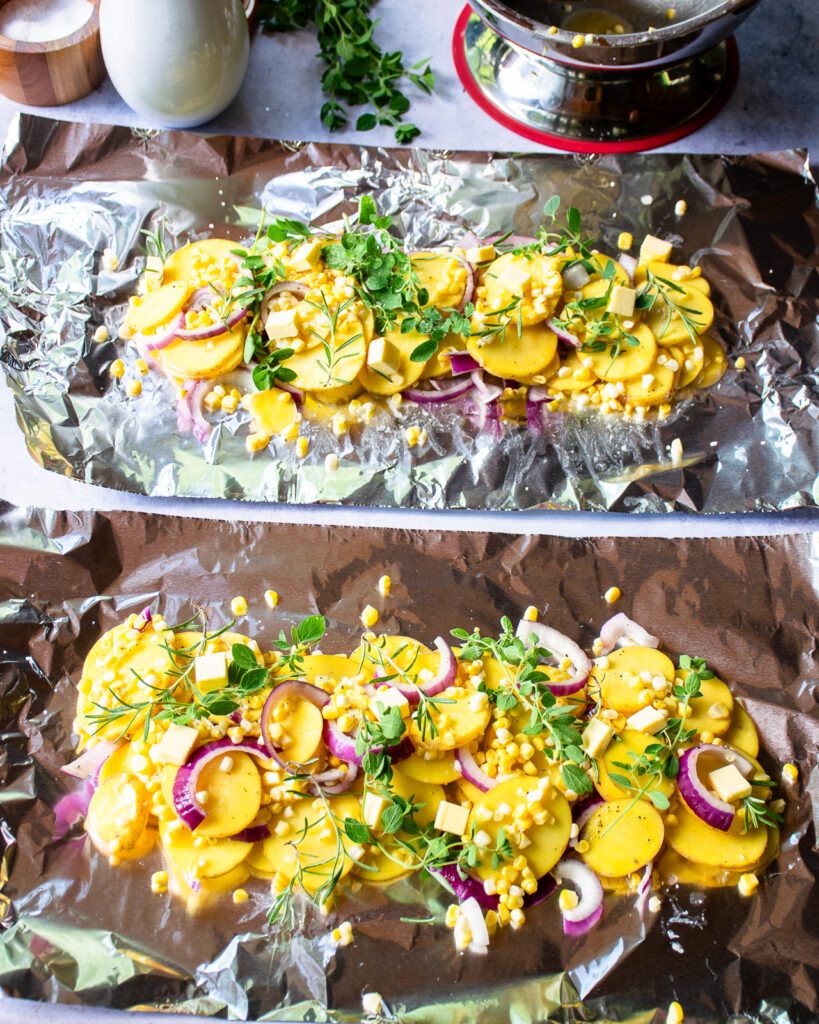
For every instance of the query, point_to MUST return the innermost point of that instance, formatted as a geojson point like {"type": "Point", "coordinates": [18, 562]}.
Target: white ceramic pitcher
{"type": "Point", "coordinates": [177, 62]}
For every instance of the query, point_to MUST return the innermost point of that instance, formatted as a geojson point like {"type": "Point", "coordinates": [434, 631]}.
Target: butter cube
{"type": "Point", "coordinates": [372, 808]}
{"type": "Point", "coordinates": [596, 737]}
{"type": "Point", "coordinates": [729, 783]}
{"type": "Point", "coordinates": [390, 697]}
{"type": "Point", "coordinates": [621, 300]}
{"type": "Point", "coordinates": [648, 720]}
{"type": "Point", "coordinates": [383, 357]}
{"type": "Point", "coordinates": [282, 323]}
{"type": "Point", "coordinates": [480, 254]}
{"type": "Point", "coordinates": [210, 671]}
{"type": "Point", "coordinates": [451, 818]}
{"type": "Point", "coordinates": [306, 256]}
{"type": "Point", "coordinates": [514, 277]}
{"type": "Point", "coordinates": [176, 745]}
{"type": "Point", "coordinates": [655, 249]}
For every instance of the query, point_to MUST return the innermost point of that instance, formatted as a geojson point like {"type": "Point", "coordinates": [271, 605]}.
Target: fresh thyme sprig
{"type": "Point", "coordinates": [303, 637]}
{"type": "Point", "coordinates": [357, 71]}
{"type": "Point", "coordinates": [645, 773]}
{"type": "Point", "coordinates": [561, 238]}
{"type": "Point", "coordinates": [674, 733]}
{"type": "Point", "coordinates": [436, 324]}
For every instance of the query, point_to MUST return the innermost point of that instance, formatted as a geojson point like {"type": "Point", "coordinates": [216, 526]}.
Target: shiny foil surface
{"type": "Point", "coordinates": [75, 930]}
{"type": "Point", "coordinates": [68, 191]}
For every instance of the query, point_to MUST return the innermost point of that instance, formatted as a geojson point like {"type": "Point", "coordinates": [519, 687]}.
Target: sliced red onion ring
{"type": "Point", "coordinates": [469, 287]}
{"type": "Point", "coordinates": [89, 763]}
{"type": "Point", "coordinates": [574, 277]}
{"type": "Point", "coordinates": [487, 393]}
{"type": "Point", "coordinates": [561, 645]}
{"type": "Point", "coordinates": [472, 772]}
{"type": "Point", "coordinates": [342, 745]}
{"type": "Point", "coordinates": [444, 677]}
{"type": "Point", "coordinates": [146, 617]}
{"type": "Point", "coordinates": [584, 809]}
{"type": "Point", "coordinates": [213, 330]}
{"type": "Point", "coordinates": [156, 342]}
{"type": "Point", "coordinates": [297, 288]}
{"type": "Point", "coordinates": [200, 426]}
{"type": "Point", "coordinates": [570, 339]}
{"type": "Point", "coordinates": [337, 780]}
{"type": "Point", "coordinates": [644, 888]}
{"type": "Point", "coordinates": [512, 241]}
{"type": "Point", "coordinates": [621, 631]}
{"type": "Point", "coordinates": [71, 808]}
{"type": "Point", "coordinates": [200, 299]}
{"type": "Point", "coordinates": [447, 393]}
{"type": "Point", "coordinates": [465, 888]}
{"type": "Point", "coordinates": [298, 689]}
{"type": "Point", "coordinates": [185, 782]}
{"type": "Point", "coordinates": [469, 240]}
{"type": "Point", "coordinates": [546, 885]}
{"type": "Point", "coordinates": [713, 811]}
{"type": "Point", "coordinates": [461, 363]}
{"type": "Point", "coordinates": [590, 904]}
{"type": "Point", "coordinates": [252, 834]}
{"type": "Point", "coordinates": [629, 264]}
{"type": "Point", "coordinates": [538, 394]}
{"type": "Point", "coordinates": [298, 396]}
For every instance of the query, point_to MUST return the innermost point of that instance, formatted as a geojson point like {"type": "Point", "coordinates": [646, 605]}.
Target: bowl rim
{"type": "Point", "coordinates": [673, 30]}
{"type": "Point", "coordinates": [11, 45]}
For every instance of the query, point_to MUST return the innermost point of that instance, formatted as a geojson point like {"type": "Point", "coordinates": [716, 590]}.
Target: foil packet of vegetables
{"type": "Point", "coordinates": [289, 322]}
{"type": "Point", "coordinates": [310, 773]}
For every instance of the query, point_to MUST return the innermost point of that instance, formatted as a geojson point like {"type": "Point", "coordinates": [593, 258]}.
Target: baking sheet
{"type": "Point", "coordinates": [67, 191]}
{"type": "Point", "coordinates": [76, 931]}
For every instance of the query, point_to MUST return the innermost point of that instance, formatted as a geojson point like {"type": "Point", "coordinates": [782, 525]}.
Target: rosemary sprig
{"type": "Point", "coordinates": [662, 288]}
{"type": "Point", "coordinates": [155, 244]}
{"type": "Point", "coordinates": [757, 812]}
{"type": "Point", "coordinates": [335, 353]}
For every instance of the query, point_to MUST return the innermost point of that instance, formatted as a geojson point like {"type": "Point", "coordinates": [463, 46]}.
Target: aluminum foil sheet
{"type": "Point", "coordinates": [75, 930]}
{"type": "Point", "coordinates": [70, 190]}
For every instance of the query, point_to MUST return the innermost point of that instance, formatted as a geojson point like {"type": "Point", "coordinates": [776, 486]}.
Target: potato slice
{"type": "Point", "coordinates": [716, 363]}
{"type": "Point", "coordinates": [631, 362]}
{"type": "Point", "coordinates": [439, 365]}
{"type": "Point", "coordinates": [692, 361]}
{"type": "Point", "coordinates": [314, 843]}
{"type": "Point", "coordinates": [438, 771]}
{"type": "Point", "coordinates": [514, 354]}
{"type": "Point", "coordinates": [622, 665]}
{"type": "Point", "coordinates": [629, 742]}
{"type": "Point", "coordinates": [456, 721]}
{"type": "Point", "coordinates": [376, 866]}
{"type": "Point", "coordinates": [443, 276]}
{"type": "Point", "coordinates": [118, 812]}
{"type": "Point", "coordinates": [676, 870]}
{"type": "Point", "coordinates": [144, 844]}
{"type": "Point", "coordinates": [303, 724]}
{"type": "Point", "coordinates": [348, 353]}
{"type": "Point", "coordinates": [180, 265]}
{"type": "Point", "coordinates": [656, 391]}
{"type": "Point", "coordinates": [547, 843]}
{"type": "Point", "coordinates": [623, 836]}
{"type": "Point", "coordinates": [512, 277]}
{"type": "Point", "coordinates": [234, 797]}
{"type": "Point", "coordinates": [343, 393]}
{"type": "Point", "coordinates": [116, 763]}
{"type": "Point", "coordinates": [742, 732]}
{"type": "Point", "coordinates": [202, 360]}
{"type": "Point", "coordinates": [670, 330]}
{"type": "Point", "coordinates": [335, 666]}
{"type": "Point", "coordinates": [150, 311]}
{"type": "Point", "coordinates": [578, 377]}
{"type": "Point", "coordinates": [598, 286]}
{"type": "Point", "coordinates": [407, 373]}
{"type": "Point", "coordinates": [715, 696]}
{"type": "Point", "coordinates": [271, 411]}
{"type": "Point", "coordinates": [215, 858]}
{"type": "Point", "coordinates": [427, 793]}
{"type": "Point", "coordinates": [387, 655]}
{"type": "Point", "coordinates": [702, 844]}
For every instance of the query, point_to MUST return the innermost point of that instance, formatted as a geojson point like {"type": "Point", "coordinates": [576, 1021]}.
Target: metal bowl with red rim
{"type": "Point", "coordinates": [600, 75]}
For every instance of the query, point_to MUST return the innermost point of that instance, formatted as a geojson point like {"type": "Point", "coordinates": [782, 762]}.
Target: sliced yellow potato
{"type": "Point", "coordinates": [514, 354]}
{"type": "Point", "coordinates": [599, 286]}
{"type": "Point", "coordinates": [426, 793]}
{"type": "Point", "coordinates": [144, 844]}
{"type": "Point", "coordinates": [388, 655]}
{"type": "Point", "coordinates": [547, 843]}
{"type": "Point", "coordinates": [337, 395]}
{"type": "Point", "coordinates": [712, 711]}
{"type": "Point", "coordinates": [184, 264]}
{"type": "Point", "coordinates": [210, 860]}
{"type": "Point", "coordinates": [150, 311]}
{"type": "Point", "coordinates": [456, 721]}
{"type": "Point", "coordinates": [271, 411]}
{"type": "Point", "coordinates": [646, 392]}
{"type": "Point", "coordinates": [315, 844]}
{"type": "Point", "coordinates": [692, 361]}
{"type": "Point", "coordinates": [378, 866]}
{"type": "Point", "coordinates": [116, 763]}
{"type": "Point", "coordinates": [511, 277]}
{"type": "Point", "coordinates": [578, 377]}
{"type": "Point", "coordinates": [318, 667]}
{"type": "Point", "coordinates": [303, 724]}
{"type": "Point", "coordinates": [439, 365]}
{"type": "Point", "coordinates": [629, 742]}
{"type": "Point", "coordinates": [118, 812]}
{"type": "Point", "coordinates": [443, 276]}
{"type": "Point", "coordinates": [716, 363]}
{"type": "Point", "coordinates": [676, 870]}
{"type": "Point", "coordinates": [667, 324]}
{"type": "Point", "coordinates": [623, 836]}
{"type": "Point", "coordinates": [742, 732]}
{"type": "Point", "coordinates": [622, 666]}
{"type": "Point", "coordinates": [234, 797]}
{"type": "Point", "coordinates": [466, 793]}
{"type": "Point", "coordinates": [201, 360]}
{"type": "Point", "coordinates": [407, 373]}
{"type": "Point", "coordinates": [631, 362]}
{"type": "Point", "coordinates": [348, 351]}
{"type": "Point", "coordinates": [702, 844]}
{"type": "Point", "coordinates": [438, 771]}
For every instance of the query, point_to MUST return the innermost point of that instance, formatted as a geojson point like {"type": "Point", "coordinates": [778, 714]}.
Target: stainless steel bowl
{"type": "Point", "coordinates": [655, 80]}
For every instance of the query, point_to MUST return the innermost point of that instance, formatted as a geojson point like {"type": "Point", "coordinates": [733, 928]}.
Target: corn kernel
{"type": "Point", "coordinates": [578, 41]}
{"type": "Point", "coordinates": [239, 606]}
{"type": "Point", "coordinates": [384, 586]}
{"type": "Point", "coordinates": [257, 442]}
{"type": "Point", "coordinates": [612, 594]}
{"type": "Point", "coordinates": [680, 207]}
{"type": "Point", "coordinates": [302, 447]}
{"type": "Point", "coordinates": [790, 773]}
{"type": "Point", "coordinates": [369, 616]}
{"type": "Point", "coordinates": [240, 896]}
{"type": "Point", "coordinates": [143, 367]}
{"type": "Point", "coordinates": [568, 899]}
{"type": "Point", "coordinates": [101, 334]}
{"type": "Point", "coordinates": [740, 363]}
{"type": "Point", "coordinates": [675, 1014]}
{"type": "Point", "coordinates": [134, 388]}
{"type": "Point", "coordinates": [117, 369]}
{"type": "Point", "coordinates": [582, 846]}
{"type": "Point", "coordinates": [452, 913]}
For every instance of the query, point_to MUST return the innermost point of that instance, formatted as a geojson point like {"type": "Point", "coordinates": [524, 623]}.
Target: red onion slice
{"type": "Point", "coordinates": [342, 746]}
{"type": "Point", "coordinates": [538, 394]}
{"type": "Point", "coordinates": [562, 333]}
{"type": "Point", "coordinates": [200, 426]}
{"type": "Point", "coordinates": [213, 330]}
{"type": "Point", "coordinates": [621, 631]}
{"type": "Point", "coordinates": [461, 363]}
{"type": "Point", "coordinates": [584, 809]}
{"type": "Point", "coordinates": [587, 912]}
{"type": "Point", "coordinates": [546, 885]}
{"type": "Point", "coordinates": [200, 299]}
{"type": "Point", "coordinates": [186, 779]}
{"type": "Point", "coordinates": [298, 396]}
{"type": "Point", "coordinates": [337, 780]}
{"type": "Point", "coordinates": [469, 287]}
{"type": "Point", "coordinates": [89, 763]}
{"type": "Point", "coordinates": [472, 772]}
{"type": "Point", "coordinates": [487, 393]}
{"type": "Point", "coordinates": [252, 834]}
{"type": "Point", "coordinates": [709, 808]}
{"type": "Point", "coordinates": [71, 808]}
{"type": "Point", "coordinates": [465, 888]}
{"type": "Point", "coordinates": [156, 342]}
{"type": "Point", "coordinates": [297, 288]}
{"type": "Point", "coordinates": [447, 393]}
{"type": "Point", "coordinates": [444, 677]}
{"type": "Point", "coordinates": [298, 689]}
{"type": "Point", "coordinates": [561, 645]}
